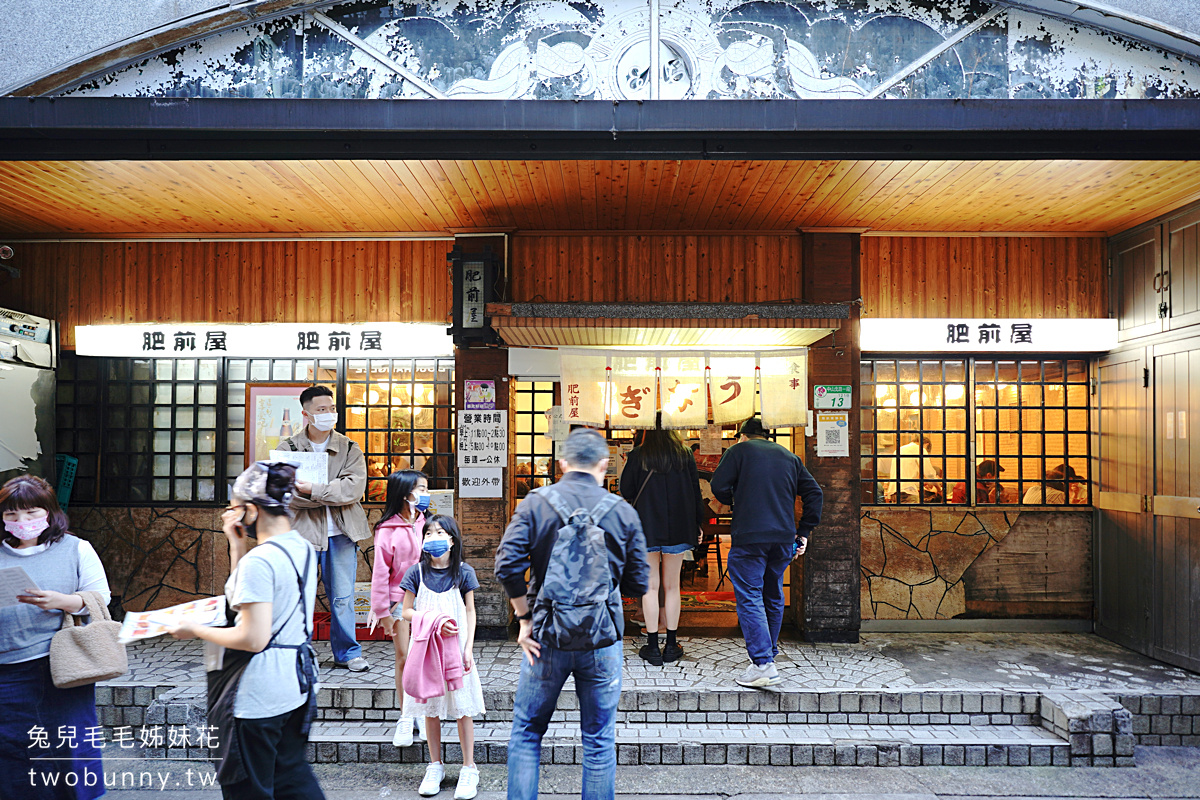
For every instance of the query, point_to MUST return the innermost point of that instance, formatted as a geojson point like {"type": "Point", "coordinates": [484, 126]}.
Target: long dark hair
{"type": "Point", "coordinates": [29, 491]}
{"type": "Point", "coordinates": [663, 451]}
{"type": "Point", "coordinates": [399, 486]}
{"type": "Point", "coordinates": [447, 524]}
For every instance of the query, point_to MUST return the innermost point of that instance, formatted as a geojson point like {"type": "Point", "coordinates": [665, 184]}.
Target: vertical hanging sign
{"type": "Point", "coordinates": [584, 377]}
{"type": "Point", "coordinates": [784, 379]}
{"type": "Point", "coordinates": [683, 397]}
{"type": "Point", "coordinates": [731, 383]}
{"type": "Point", "coordinates": [633, 402]}
{"type": "Point", "coordinates": [472, 294]}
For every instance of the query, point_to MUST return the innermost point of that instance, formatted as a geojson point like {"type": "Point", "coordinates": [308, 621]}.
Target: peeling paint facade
{"type": "Point", "coordinates": [705, 50]}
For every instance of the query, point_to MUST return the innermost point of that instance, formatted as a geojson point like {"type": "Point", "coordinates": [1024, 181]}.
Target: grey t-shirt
{"type": "Point", "coordinates": [439, 580]}
{"type": "Point", "coordinates": [269, 686]}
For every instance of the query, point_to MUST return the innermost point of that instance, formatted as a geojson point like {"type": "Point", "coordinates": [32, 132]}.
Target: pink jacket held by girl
{"type": "Point", "coordinates": [397, 547]}
{"type": "Point", "coordinates": [434, 662]}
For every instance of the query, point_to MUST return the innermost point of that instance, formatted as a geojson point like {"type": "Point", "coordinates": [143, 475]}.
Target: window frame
{"type": "Point", "coordinates": [973, 429]}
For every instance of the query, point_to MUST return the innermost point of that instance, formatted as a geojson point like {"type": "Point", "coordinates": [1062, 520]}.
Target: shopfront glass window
{"type": "Point", "coordinates": [1031, 419]}
{"type": "Point", "coordinates": [534, 463]}
{"type": "Point", "coordinates": [400, 411]}
{"type": "Point", "coordinates": [1028, 421]}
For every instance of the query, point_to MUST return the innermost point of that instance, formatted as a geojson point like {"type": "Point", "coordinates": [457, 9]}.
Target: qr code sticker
{"type": "Point", "coordinates": [831, 437]}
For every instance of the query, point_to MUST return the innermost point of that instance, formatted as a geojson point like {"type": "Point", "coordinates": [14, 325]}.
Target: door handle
{"type": "Point", "coordinates": [1166, 279]}
{"type": "Point", "coordinates": [1157, 282]}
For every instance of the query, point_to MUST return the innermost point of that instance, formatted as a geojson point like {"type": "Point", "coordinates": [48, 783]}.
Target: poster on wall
{"type": "Point", "coordinates": [482, 438]}
{"type": "Point", "coordinates": [273, 413]}
{"type": "Point", "coordinates": [481, 395]}
{"type": "Point", "coordinates": [833, 434]}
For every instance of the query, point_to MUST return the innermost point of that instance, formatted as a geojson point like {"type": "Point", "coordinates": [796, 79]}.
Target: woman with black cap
{"type": "Point", "coordinates": [262, 679]}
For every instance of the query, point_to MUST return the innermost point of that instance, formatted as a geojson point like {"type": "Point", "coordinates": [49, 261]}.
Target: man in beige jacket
{"type": "Point", "coordinates": [331, 516]}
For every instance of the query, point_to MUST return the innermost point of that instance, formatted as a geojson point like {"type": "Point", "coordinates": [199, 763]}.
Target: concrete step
{"type": "Point", "coordinates": [780, 744]}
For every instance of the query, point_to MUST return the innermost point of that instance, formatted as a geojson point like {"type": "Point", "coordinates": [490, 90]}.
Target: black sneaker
{"type": "Point", "coordinates": [652, 655]}
{"type": "Point", "coordinates": [672, 652]}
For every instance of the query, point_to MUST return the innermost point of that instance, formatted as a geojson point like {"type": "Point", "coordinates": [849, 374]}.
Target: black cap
{"type": "Point", "coordinates": [752, 427]}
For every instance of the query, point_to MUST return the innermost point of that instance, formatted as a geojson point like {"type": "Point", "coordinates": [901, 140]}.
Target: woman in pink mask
{"type": "Point", "coordinates": [36, 712]}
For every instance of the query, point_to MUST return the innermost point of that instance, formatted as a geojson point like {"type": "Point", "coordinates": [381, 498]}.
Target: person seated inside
{"type": "Point", "coordinates": [1055, 490]}
{"type": "Point", "coordinates": [919, 477]}
{"type": "Point", "coordinates": [987, 487]}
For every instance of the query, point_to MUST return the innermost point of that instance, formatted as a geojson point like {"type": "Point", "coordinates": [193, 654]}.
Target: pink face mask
{"type": "Point", "coordinates": [27, 529]}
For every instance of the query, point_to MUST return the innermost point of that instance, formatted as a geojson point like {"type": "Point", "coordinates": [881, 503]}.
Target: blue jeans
{"type": "Point", "coordinates": [339, 568]}
{"type": "Point", "coordinates": [598, 686]}
{"type": "Point", "coordinates": [756, 572]}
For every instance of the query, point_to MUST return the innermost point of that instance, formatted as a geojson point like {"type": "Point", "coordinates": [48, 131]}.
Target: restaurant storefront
{"type": "Point", "coordinates": [336, 176]}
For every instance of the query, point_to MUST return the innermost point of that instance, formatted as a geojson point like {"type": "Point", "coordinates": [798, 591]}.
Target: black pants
{"type": "Point", "coordinates": [272, 752]}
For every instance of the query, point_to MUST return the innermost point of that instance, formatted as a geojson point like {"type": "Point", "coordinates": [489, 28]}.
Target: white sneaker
{"type": "Point", "coordinates": [421, 729]}
{"type": "Point", "coordinates": [431, 784]}
{"type": "Point", "coordinates": [757, 676]}
{"type": "Point", "coordinates": [403, 737]}
{"type": "Point", "coordinates": [468, 783]}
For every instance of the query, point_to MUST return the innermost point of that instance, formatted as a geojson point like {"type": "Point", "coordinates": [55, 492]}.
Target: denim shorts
{"type": "Point", "coordinates": [670, 549]}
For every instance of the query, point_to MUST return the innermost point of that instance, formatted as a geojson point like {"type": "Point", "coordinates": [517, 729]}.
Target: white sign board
{"type": "Point", "coordinates": [833, 434]}
{"type": "Point", "coordinates": [557, 428]}
{"type": "Point", "coordinates": [482, 439]}
{"type": "Point", "coordinates": [988, 335]}
{"type": "Point", "coordinates": [314, 467]}
{"type": "Point", "coordinates": [282, 339]}
{"type": "Point", "coordinates": [476, 483]}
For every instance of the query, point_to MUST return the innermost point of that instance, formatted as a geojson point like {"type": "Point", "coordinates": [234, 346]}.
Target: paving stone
{"type": "Point", "coordinates": [758, 754]}
{"type": "Point", "coordinates": [910, 755]}
{"type": "Point", "coordinates": [736, 754]}
{"type": "Point", "coordinates": [954, 755]}
{"type": "Point", "coordinates": [976, 756]}
{"type": "Point", "coordinates": [672, 754]}
{"type": "Point", "coordinates": [651, 754]}
{"type": "Point", "coordinates": [781, 755]}
{"type": "Point", "coordinates": [867, 755]}
{"type": "Point", "coordinates": [824, 755]}
{"type": "Point", "coordinates": [714, 754]}
{"type": "Point", "coordinates": [1039, 756]}
{"type": "Point", "coordinates": [931, 755]}
{"type": "Point", "coordinates": [693, 754]}
{"type": "Point", "coordinates": [845, 755]}
{"type": "Point", "coordinates": [802, 755]}
{"type": "Point", "coordinates": [1172, 705]}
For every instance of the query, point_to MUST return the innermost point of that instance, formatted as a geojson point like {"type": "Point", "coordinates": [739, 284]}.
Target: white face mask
{"type": "Point", "coordinates": [324, 422]}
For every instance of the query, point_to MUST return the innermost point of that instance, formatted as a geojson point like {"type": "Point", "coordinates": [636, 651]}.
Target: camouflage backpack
{"type": "Point", "coordinates": [578, 605]}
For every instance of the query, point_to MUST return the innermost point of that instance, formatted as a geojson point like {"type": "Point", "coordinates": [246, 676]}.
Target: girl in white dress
{"type": "Point", "coordinates": [441, 583]}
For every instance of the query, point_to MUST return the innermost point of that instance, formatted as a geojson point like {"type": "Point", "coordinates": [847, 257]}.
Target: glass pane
{"type": "Point", "coordinates": [183, 465]}
{"type": "Point", "coordinates": [235, 441]}
{"type": "Point", "coordinates": [234, 465]}
{"type": "Point", "coordinates": [118, 393]}
{"type": "Point", "coordinates": [956, 420]}
{"type": "Point", "coordinates": [956, 371]}
{"type": "Point", "coordinates": [1077, 395]}
{"type": "Point", "coordinates": [281, 371]}
{"type": "Point", "coordinates": [1056, 420]}
{"type": "Point", "coordinates": [236, 394]}
{"type": "Point", "coordinates": [206, 466]}
{"type": "Point", "coordinates": [185, 370]}
{"type": "Point", "coordinates": [162, 441]}
{"type": "Point", "coordinates": [117, 418]}
{"type": "Point", "coordinates": [183, 441]}
{"type": "Point", "coordinates": [118, 369]}
{"type": "Point", "coordinates": [162, 465]}
{"type": "Point", "coordinates": [237, 369]}
{"type": "Point", "coordinates": [1054, 372]}
{"type": "Point", "coordinates": [185, 393]}
{"type": "Point", "coordinates": [378, 418]}
{"type": "Point", "coordinates": [162, 490]}
{"type": "Point", "coordinates": [208, 394]}
{"type": "Point", "coordinates": [1007, 371]}
{"type": "Point", "coordinates": [162, 393]}
{"type": "Point", "coordinates": [206, 442]}
{"type": "Point", "coordinates": [908, 372]}
{"type": "Point", "coordinates": [1077, 372]}
{"type": "Point", "coordinates": [164, 369]}
{"type": "Point", "coordinates": [1031, 395]}
{"type": "Point", "coordinates": [303, 370]}
{"type": "Point", "coordinates": [236, 416]}
{"type": "Point", "coordinates": [208, 370]}
{"type": "Point", "coordinates": [885, 371]}
{"type": "Point", "coordinates": [183, 489]}
{"type": "Point", "coordinates": [139, 393]}
{"type": "Point", "coordinates": [1031, 372]}
{"type": "Point", "coordinates": [162, 417]}
{"type": "Point", "coordinates": [260, 370]}
{"type": "Point", "coordinates": [206, 417]}
{"type": "Point", "coordinates": [184, 418]}
{"type": "Point", "coordinates": [206, 490]}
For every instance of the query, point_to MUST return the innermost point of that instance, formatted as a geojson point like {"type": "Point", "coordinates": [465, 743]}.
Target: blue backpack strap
{"type": "Point", "coordinates": [601, 509]}
{"type": "Point", "coordinates": [556, 502]}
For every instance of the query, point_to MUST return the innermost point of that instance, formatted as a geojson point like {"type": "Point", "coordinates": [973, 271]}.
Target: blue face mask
{"type": "Point", "coordinates": [422, 503]}
{"type": "Point", "coordinates": [436, 547]}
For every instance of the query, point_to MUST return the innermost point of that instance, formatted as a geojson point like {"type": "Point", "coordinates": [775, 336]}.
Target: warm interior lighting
{"type": "Point", "coordinates": [955, 391]}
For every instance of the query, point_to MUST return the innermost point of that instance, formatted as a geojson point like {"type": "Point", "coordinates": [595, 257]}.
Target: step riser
{"type": "Point", "coordinates": [775, 755]}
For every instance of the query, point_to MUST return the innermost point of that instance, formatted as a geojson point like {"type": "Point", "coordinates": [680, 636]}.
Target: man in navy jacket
{"type": "Point", "coordinates": [762, 480]}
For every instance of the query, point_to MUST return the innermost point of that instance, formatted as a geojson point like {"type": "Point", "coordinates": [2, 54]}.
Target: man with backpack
{"type": "Point", "coordinates": [583, 548]}
{"type": "Point", "coordinates": [762, 480]}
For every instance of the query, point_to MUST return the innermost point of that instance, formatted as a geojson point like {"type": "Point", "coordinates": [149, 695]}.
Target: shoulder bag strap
{"type": "Point", "coordinates": [601, 509]}
{"type": "Point", "coordinates": [639, 494]}
{"type": "Point", "coordinates": [301, 603]}
{"type": "Point", "coordinates": [556, 502]}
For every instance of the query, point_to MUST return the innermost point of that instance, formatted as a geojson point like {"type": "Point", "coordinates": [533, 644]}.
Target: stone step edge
{"type": "Point", "coordinates": [796, 755]}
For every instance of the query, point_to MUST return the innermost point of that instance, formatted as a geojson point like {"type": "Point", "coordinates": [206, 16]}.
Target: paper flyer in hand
{"type": "Point", "coordinates": [140, 625]}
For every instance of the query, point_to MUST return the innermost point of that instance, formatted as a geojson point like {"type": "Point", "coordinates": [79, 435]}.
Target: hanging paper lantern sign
{"type": "Point", "coordinates": [731, 384]}
{"type": "Point", "coordinates": [684, 400]}
{"type": "Point", "coordinates": [584, 376]}
{"type": "Point", "coordinates": [633, 398]}
{"type": "Point", "coordinates": [784, 379]}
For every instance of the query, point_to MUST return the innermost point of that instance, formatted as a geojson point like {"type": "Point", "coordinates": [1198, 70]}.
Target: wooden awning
{"type": "Point", "coordinates": [683, 325]}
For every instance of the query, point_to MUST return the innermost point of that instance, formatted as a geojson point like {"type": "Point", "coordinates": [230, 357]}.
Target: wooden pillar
{"type": "Point", "coordinates": [830, 609]}
{"type": "Point", "coordinates": [482, 521]}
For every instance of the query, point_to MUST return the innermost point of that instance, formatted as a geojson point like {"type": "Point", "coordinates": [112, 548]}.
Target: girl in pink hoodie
{"type": "Point", "coordinates": [398, 547]}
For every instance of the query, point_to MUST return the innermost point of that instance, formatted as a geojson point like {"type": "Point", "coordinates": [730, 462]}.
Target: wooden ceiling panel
{"type": "Point", "coordinates": [364, 198]}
